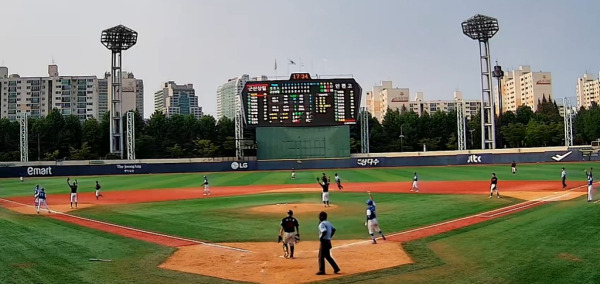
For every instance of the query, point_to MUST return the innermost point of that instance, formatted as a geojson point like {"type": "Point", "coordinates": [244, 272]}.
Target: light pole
{"type": "Point", "coordinates": [471, 130]}
{"type": "Point", "coordinates": [401, 139]}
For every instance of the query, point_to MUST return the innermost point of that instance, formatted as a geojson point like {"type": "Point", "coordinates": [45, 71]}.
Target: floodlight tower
{"type": "Point", "coordinates": [117, 39]}
{"type": "Point", "coordinates": [482, 28]}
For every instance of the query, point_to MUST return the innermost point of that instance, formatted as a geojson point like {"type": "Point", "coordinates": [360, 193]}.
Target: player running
{"type": "Point", "coordinates": [293, 173]}
{"type": "Point", "coordinates": [41, 196]}
{"type": "Point", "coordinates": [206, 186]}
{"type": "Point", "coordinates": [36, 190]}
{"type": "Point", "coordinates": [494, 186]}
{"type": "Point", "coordinates": [513, 167]}
{"type": "Point", "coordinates": [590, 182]}
{"type": "Point", "coordinates": [415, 184]}
{"type": "Point", "coordinates": [338, 181]}
{"type": "Point", "coordinates": [371, 222]}
{"type": "Point", "coordinates": [97, 188]}
{"type": "Point", "coordinates": [325, 186]}
{"type": "Point", "coordinates": [289, 234]}
{"type": "Point", "coordinates": [73, 187]}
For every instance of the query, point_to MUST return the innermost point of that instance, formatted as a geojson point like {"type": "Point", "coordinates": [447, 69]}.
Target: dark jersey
{"type": "Point", "coordinates": [42, 195]}
{"type": "Point", "coordinates": [73, 187]}
{"type": "Point", "coordinates": [98, 186]}
{"type": "Point", "coordinates": [325, 186]}
{"type": "Point", "coordinates": [289, 224]}
{"type": "Point", "coordinates": [494, 180]}
{"type": "Point", "coordinates": [514, 165]}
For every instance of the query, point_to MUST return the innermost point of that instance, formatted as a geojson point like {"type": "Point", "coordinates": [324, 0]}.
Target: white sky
{"type": "Point", "coordinates": [416, 44]}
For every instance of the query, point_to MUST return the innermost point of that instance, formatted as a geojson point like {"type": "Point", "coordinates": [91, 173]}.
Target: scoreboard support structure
{"type": "Point", "coordinates": [239, 135]}
{"type": "Point", "coordinates": [364, 130]}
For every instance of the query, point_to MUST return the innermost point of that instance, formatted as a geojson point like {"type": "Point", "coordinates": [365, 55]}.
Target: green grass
{"type": "Point", "coordinates": [35, 249]}
{"type": "Point", "coordinates": [53, 185]}
{"type": "Point", "coordinates": [205, 219]}
{"type": "Point", "coordinates": [554, 243]}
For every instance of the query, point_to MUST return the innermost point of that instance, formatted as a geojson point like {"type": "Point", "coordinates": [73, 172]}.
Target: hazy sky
{"type": "Point", "coordinates": [417, 44]}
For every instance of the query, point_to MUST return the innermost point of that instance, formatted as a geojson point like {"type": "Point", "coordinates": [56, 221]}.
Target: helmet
{"type": "Point", "coordinates": [369, 202]}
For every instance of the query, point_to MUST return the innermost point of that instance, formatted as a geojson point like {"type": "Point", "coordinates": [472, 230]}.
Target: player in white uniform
{"type": "Point", "coordinates": [415, 184]}
{"type": "Point", "coordinates": [338, 181]}
{"type": "Point", "coordinates": [206, 186]}
{"type": "Point", "coordinates": [293, 173]}
{"type": "Point", "coordinates": [372, 223]}
{"type": "Point", "coordinates": [590, 183]}
{"type": "Point", "coordinates": [42, 200]}
{"type": "Point", "coordinates": [97, 188]}
{"type": "Point", "coordinates": [73, 187]}
{"type": "Point", "coordinates": [36, 190]}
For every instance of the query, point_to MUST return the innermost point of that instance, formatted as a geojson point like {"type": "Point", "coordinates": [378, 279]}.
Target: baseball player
{"type": "Point", "coordinates": [21, 179]}
{"type": "Point", "coordinates": [326, 232]}
{"type": "Point", "coordinates": [338, 181]}
{"type": "Point", "coordinates": [513, 167]}
{"type": "Point", "coordinates": [289, 234]}
{"type": "Point", "coordinates": [325, 186]}
{"type": "Point", "coordinates": [415, 184]}
{"type": "Point", "coordinates": [563, 178]}
{"type": "Point", "coordinates": [206, 186]}
{"type": "Point", "coordinates": [590, 182]}
{"type": "Point", "coordinates": [371, 222]}
{"type": "Point", "coordinates": [73, 187]}
{"type": "Point", "coordinates": [36, 190]}
{"type": "Point", "coordinates": [97, 188]}
{"type": "Point", "coordinates": [494, 186]}
{"type": "Point", "coordinates": [41, 196]}
{"type": "Point", "coordinates": [293, 173]}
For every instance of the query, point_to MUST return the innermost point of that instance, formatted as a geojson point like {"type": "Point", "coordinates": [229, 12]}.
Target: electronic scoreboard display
{"type": "Point", "coordinates": [301, 101]}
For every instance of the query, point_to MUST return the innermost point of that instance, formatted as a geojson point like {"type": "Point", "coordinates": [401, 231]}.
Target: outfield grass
{"type": "Point", "coordinates": [554, 243]}
{"type": "Point", "coordinates": [227, 219]}
{"type": "Point", "coordinates": [53, 185]}
{"type": "Point", "coordinates": [35, 249]}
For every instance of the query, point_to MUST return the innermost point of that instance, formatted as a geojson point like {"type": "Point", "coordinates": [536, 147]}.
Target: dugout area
{"type": "Point", "coordinates": [302, 142]}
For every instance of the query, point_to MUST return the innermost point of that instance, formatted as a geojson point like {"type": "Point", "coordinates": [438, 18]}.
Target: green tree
{"type": "Point", "coordinates": [514, 134]}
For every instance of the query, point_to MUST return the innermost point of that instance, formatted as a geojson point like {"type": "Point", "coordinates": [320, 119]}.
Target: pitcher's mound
{"type": "Point", "coordinates": [282, 208]}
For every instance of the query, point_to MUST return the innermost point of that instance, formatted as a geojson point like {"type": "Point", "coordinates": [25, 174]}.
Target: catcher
{"type": "Point", "coordinates": [289, 234]}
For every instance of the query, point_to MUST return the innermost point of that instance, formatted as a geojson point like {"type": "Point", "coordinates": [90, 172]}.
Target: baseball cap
{"type": "Point", "coordinates": [290, 212]}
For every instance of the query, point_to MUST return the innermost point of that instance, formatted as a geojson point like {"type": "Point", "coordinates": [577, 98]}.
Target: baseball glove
{"type": "Point", "coordinates": [279, 239]}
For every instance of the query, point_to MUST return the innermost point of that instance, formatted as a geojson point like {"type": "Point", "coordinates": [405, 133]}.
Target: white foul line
{"type": "Point", "coordinates": [137, 230]}
{"type": "Point", "coordinates": [467, 217]}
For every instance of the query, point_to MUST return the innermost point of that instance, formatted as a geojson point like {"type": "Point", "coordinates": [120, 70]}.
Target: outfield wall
{"type": "Point", "coordinates": [442, 158]}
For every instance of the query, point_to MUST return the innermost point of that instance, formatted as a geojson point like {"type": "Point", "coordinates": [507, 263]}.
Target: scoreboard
{"type": "Point", "coordinates": [301, 101]}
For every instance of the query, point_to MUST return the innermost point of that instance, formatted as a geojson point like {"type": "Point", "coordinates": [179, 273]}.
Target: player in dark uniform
{"type": "Point", "coordinates": [494, 186]}
{"type": "Point", "coordinates": [325, 187]}
{"type": "Point", "coordinates": [97, 188]}
{"type": "Point", "coordinates": [73, 187]}
{"type": "Point", "coordinates": [513, 167]}
{"type": "Point", "coordinates": [289, 234]}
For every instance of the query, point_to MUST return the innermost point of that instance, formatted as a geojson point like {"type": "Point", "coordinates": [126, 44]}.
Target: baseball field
{"type": "Point", "coordinates": [162, 229]}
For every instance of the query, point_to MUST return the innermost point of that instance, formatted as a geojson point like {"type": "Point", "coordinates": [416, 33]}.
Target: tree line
{"type": "Point", "coordinates": [57, 137]}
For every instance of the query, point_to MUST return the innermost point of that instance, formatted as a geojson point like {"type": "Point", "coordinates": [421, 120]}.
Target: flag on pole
{"type": "Point", "coordinates": [275, 64]}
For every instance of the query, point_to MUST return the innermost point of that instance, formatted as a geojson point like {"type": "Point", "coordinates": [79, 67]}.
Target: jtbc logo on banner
{"type": "Point", "coordinates": [474, 159]}
{"type": "Point", "coordinates": [367, 162]}
{"type": "Point", "coordinates": [236, 165]}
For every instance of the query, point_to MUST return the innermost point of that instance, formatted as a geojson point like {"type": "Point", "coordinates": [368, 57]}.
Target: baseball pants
{"type": "Point", "coordinates": [325, 254]}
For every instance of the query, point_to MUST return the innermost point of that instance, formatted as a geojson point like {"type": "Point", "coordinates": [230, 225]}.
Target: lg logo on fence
{"type": "Point", "coordinates": [236, 165]}
{"type": "Point", "coordinates": [365, 162]}
{"type": "Point", "coordinates": [474, 159]}
{"type": "Point", "coordinates": [31, 171]}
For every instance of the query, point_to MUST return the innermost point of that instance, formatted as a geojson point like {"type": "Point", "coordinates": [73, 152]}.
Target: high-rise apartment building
{"type": "Point", "coordinates": [229, 95]}
{"type": "Point", "coordinates": [132, 90]}
{"type": "Point", "coordinates": [588, 91]}
{"type": "Point", "coordinates": [83, 96]}
{"type": "Point", "coordinates": [524, 87]}
{"type": "Point", "coordinates": [37, 96]}
{"type": "Point", "coordinates": [177, 99]}
{"type": "Point", "coordinates": [384, 97]}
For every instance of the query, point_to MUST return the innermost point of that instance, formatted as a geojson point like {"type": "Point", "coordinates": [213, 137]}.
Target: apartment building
{"type": "Point", "coordinates": [177, 99]}
{"type": "Point", "coordinates": [132, 90]}
{"type": "Point", "coordinates": [588, 91]}
{"type": "Point", "coordinates": [229, 95]}
{"type": "Point", "coordinates": [524, 87]}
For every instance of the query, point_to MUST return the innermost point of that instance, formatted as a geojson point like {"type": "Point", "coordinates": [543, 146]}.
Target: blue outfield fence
{"type": "Point", "coordinates": [368, 162]}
